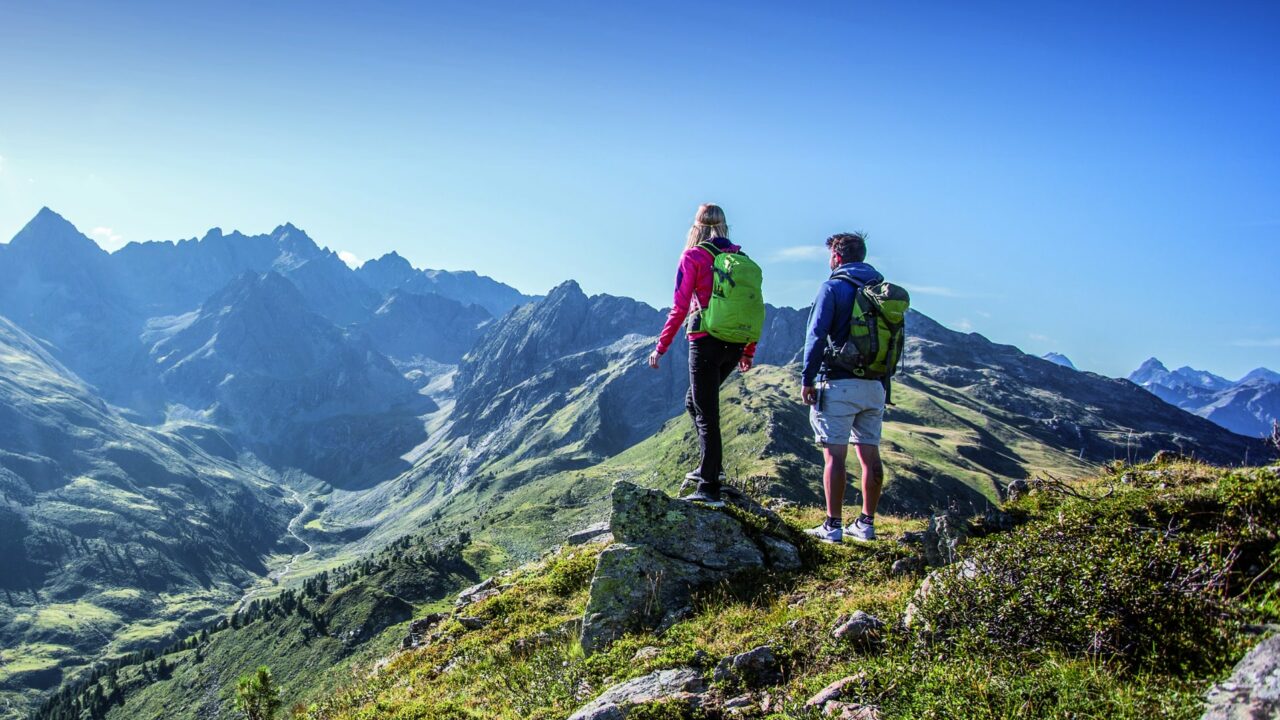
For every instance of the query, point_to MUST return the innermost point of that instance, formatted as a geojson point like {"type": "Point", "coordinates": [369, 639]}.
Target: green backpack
{"type": "Point", "coordinates": [735, 313]}
{"type": "Point", "coordinates": [878, 331]}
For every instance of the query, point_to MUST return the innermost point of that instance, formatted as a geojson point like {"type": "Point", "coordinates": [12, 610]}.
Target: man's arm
{"type": "Point", "coordinates": [815, 339]}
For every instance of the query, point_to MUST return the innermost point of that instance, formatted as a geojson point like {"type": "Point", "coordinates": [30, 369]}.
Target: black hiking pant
{"type": "Point", "coordinates": [710, 363]}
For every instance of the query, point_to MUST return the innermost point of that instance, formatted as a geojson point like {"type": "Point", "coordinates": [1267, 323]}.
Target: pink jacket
{"type": "Point", "coordinates": [693, 279]}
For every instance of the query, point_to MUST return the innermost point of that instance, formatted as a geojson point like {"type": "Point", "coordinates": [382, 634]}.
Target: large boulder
{"type": "Point", "coordinates": [665, 549]}
{"type": "Point", "coordinates": [1253, 690]}
{"type": "Point", "coordinates": [682, 684]}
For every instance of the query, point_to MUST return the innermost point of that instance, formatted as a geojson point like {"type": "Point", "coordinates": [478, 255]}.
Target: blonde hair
{"type": "Point", "coordinates": [708, 223]}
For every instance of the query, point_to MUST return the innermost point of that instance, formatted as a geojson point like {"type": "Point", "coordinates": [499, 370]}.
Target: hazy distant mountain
{"type": "Point", "coordinates": [392, 272]}
{"type": "Point", "coordinates": [58, 285]}
{"type": "Point", "coordinates": [168, 278]}
{"type": "Point", "coordinates": [409, 327]}
{"type": "Point", "coordinates": [105, 524]}
{"type": "Point", "coordinates": [256, 360]}
{"type": "Point", "coordinates": [1247, 406]}
{"type": "Point", "coordinates": [1060, 359]}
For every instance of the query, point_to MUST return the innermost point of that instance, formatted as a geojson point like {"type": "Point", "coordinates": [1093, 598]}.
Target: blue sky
{"type": "Point", "coordinates": [1095, 180]}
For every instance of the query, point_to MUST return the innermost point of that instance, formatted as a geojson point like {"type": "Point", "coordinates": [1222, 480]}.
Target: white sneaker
{"type": "Point", "coordinates": [832, 535]}
{"type": "Point", "coordinates": [863, 532]}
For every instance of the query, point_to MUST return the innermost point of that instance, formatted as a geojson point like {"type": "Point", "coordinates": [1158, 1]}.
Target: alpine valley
{"type": "Point", "coordinates": [199, 435]}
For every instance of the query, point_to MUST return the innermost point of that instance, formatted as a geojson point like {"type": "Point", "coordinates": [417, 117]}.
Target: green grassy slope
{"type": "Point", "coordinates": [939, 446]}
{"type": "Point", "coordinates": [113, 536]}
{"type": "Point", "coordinates": [311, 637]}
{"type": "Point", "coordinates": [1031, 637]}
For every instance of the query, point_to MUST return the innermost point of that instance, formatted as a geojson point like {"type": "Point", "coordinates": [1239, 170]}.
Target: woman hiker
{"type": "Point", "coordinates": [711, 359]}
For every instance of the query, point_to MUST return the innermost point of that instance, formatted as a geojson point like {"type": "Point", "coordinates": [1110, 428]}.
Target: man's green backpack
{"type": "Point", "coordinates": [877, 333]}
{"type": "Point", "coordinates": [735, 313]}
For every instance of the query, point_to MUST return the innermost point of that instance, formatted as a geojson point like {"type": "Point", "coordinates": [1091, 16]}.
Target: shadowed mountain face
{"type": "Point", "coordinates": [1101, 417]}
{"type": "Point", "coordinates": [409, 328]}
{"type": "Point", "coordinates": [1248, 406]}
{"type": "Point", "coordinates": [392, 272]}
{"type": "Point", "coordinates": [101, 520]}
{"type": "Point", "coordinates": [254, 359]}
{"type": "Point", "coordinates": [58, 284]}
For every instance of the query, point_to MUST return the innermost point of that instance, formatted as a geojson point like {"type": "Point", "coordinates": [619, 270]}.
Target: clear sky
{"type": "Point", "coordinates": [1078, 177]}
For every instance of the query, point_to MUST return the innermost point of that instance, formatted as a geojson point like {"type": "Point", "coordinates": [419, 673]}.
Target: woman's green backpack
{"type": "Point", "coordinates": [735, 313]}
{"type": "Point", "coordinates": [877, 333]}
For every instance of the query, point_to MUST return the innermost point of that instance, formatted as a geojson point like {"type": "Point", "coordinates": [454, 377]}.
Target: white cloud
{"type": "Point", "coordinates": [107, 238]}
{"type": "Point", "coordinates": [801, 253]}
{"type": "Point", "coordinates": [349, 258]}
{"type": "Point", "coordinates": [964, 325]}
{"type": "Point", "coordinates": [1040, 337]}
{"type": "Point", "coordinates": [931, 290]}
{"type": "Point", "coordinates": [1259, 343]}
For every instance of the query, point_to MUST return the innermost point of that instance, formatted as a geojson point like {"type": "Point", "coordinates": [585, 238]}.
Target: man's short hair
{"type": "Point", "coordinates": [851, 247]}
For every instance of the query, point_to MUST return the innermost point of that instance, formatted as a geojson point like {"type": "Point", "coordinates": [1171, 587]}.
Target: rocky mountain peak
{"type": "Point", "coordinates": [1260, 374]}
{"type": "Point", "coordinates": [1150, 370]}
{"type": "Point", "coordinates": [1059, 359]}
{"type": "Point", "coordinates": [52, 236]}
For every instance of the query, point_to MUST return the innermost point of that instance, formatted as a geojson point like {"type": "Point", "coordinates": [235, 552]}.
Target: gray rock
{"type": "Point", "coordinates": [1016, 489]}
{"type": "Point", "coordinates": [473, 594]}
{"type": "Point", "coordinates": [675, 528]}
{"type": "Point", "coordinates": [594, 533]}
{"type": "Point", "coordinates": [782, 555]}
{"type": "Point", "coordinates": [1252, 692]}
{"type": "Point", "coordinates": [912, 537]}
{"type": "Point", "coordinates": [851, 711]}
{"type": "Point", "coordinates": [755, 668]}
{"type": "Point", "coordinates": [860, 628]}
{"type": "Point", "coordinates": [944, 536]}
{"type": "Point", "coordinates": [613, 704]}
{"type": "Point", "coordinates": [648, 652]}
{"type": "Point", "coordinates": [905, 566]}
{"type": "Point", "coordinates": [423, 624]}
{"type": "Point", "coordinates": [472, 623]}
{"type": "Point", "coordinates": [836, 690]}
{"type": "Point", "coordinates": [665, 549]}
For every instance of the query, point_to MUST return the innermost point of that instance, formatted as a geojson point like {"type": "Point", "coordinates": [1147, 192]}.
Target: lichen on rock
{"type": "Point", "coordinates": [667, 548]}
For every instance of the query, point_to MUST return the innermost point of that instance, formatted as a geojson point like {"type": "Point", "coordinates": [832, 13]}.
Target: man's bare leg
{"type": "Point", "coordinates": [833, 478]}
{"type": "Point", "coordinates": [872, 477]}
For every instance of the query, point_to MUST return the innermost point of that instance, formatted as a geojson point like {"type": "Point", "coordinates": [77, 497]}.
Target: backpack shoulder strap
{"type": "Point", "coordinates": [847, 278]}
{"type": "Point", "coordinates": [710, 248]}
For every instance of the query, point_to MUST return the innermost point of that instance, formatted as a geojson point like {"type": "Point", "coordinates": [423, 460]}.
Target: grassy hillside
{"type": "Point", "coordinates": [113, 536]}
{"type": "Point", "coordinates": [1122, 596]}
{"type": "Point", "coordinates": [311, 636]}
{"type": "Point", "coordinates": [938, 443]}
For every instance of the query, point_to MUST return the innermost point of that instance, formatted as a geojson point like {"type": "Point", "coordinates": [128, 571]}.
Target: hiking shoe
{"type": "Point", "coordinates": [861, 531]}
{"type": "Point", "coordinates": [704, 497]}
{"type": "Point", "coordinates": [694, 478]}
{"type": "Point", "coordinates": [825, 534]}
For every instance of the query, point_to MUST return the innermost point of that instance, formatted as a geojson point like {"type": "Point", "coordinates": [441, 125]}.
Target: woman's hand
{"type": "Point", "coordinates": [653, 359]}
{"type": "Point", "coordinates": [744, 363]}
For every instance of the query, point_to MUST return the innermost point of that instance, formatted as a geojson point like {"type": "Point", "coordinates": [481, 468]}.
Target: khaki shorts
{"type": "Point", "coordinates": [848, 411]}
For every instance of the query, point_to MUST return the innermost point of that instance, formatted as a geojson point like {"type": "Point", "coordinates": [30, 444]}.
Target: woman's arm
{"type": "Point", "coordinates": [686, 287]}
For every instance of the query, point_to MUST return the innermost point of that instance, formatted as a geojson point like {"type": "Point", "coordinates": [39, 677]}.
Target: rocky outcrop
{"type": "Point", "coordinates": [753, 669]}
{"type": "Point", "coordinates": [666, 548]}
{"type": "Point", "coordinates": [681, 685]}
{"type": "Point", "coordinates": [1253, 690]}
{"type": "Point", "coordinates": [943, 537]}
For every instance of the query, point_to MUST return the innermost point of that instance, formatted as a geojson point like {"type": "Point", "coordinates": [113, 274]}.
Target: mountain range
{"type": "Point", "coordinates": [183, 424]}
{"type": "Point", "coordinates": [1248, 406]}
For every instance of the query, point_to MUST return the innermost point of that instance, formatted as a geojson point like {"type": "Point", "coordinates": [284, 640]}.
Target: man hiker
{"type": "Point", "coordinates": [847, 398]}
